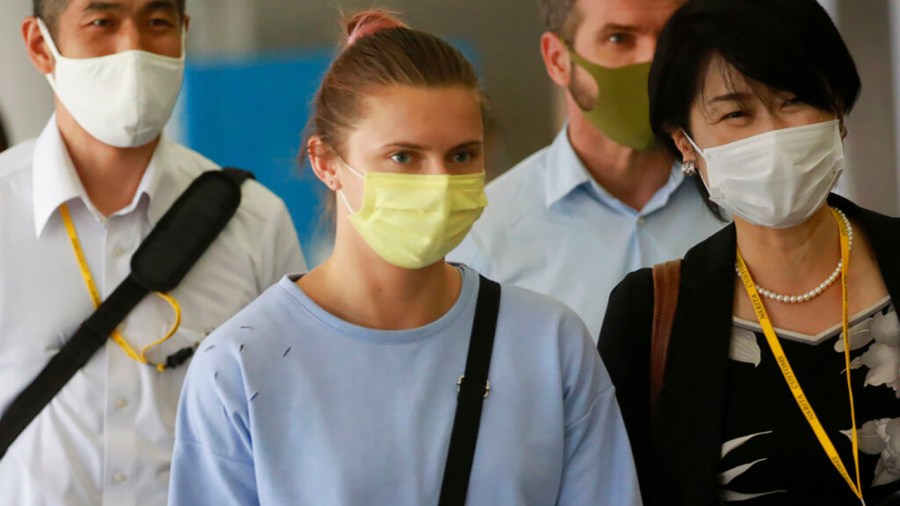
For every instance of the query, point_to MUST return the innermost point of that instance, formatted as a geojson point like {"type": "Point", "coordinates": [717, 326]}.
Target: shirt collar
{"type": "Point", "coordinates": [161, 195]}
{"type": "Point", "coordinates": [565, 172]}
{"type": "Point", "coordinates": [665, 193]}
{"type": "Point", "coordinates": [55, 180]}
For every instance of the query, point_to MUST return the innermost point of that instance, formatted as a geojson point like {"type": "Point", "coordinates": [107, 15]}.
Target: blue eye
{"type": "Point", "coordinates": [402, 158]}
{"type": "Point", "coordinates": [463, 157]}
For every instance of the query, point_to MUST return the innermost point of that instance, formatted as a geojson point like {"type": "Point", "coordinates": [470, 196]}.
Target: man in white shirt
{"type": "Point", "coordinates": [571, 220]}
{"type": "Point", "coordinates": [116, 68]}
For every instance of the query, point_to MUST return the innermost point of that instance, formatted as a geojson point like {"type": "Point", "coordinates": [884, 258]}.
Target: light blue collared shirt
{"type": "Point", "coordinates": [551, 228]}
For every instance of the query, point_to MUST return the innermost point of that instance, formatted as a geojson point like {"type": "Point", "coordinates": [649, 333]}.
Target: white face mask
{"type": "Point", "coordinates": [777, 179]}
{"type": "Point", "coordinates": [123, 99]}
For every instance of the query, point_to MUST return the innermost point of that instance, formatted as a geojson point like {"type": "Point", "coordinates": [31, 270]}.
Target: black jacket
{"type": "Point", "coordinates": [678, 456]}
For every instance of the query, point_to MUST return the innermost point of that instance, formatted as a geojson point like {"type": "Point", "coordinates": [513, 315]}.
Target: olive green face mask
{"type": "Point", "coordinates": [622, 109]}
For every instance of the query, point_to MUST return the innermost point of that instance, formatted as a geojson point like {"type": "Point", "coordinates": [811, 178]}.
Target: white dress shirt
{"type": "Point", "coordinates": [551, 228]}
{"type": "Point", "coordinates": [107, 437]}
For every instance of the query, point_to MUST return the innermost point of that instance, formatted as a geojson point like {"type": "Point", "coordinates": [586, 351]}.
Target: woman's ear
{"type": "Point", "coordinates": [684, 146]}
{"type": "Point", "coordinates": [840, 114]}
{"type": "Point", "coordinates": [323, 160]}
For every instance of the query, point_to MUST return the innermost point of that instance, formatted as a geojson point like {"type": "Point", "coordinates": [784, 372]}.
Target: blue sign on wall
{"type": "Point", "coordinates": [251, 114]}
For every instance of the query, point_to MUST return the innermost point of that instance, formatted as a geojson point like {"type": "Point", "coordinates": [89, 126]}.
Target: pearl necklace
{"type": "Point", "coordinates": [815, 292]}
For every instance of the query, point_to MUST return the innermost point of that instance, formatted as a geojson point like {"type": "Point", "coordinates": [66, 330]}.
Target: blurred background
{"type": "Point", "coordinates": [253, 67]}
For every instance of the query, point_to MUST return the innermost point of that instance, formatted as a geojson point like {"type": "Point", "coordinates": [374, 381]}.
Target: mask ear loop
{"type": "Point", "coordinates": [340, 191]}
{"type": "Point", "coordinates": [701, 155]}
{"type": "Point", "coordinates": [694, 144]}
{"type": "Point", "coordinates": [54, 51]}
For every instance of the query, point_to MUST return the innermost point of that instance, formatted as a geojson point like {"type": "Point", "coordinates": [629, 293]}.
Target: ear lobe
{"type": "Point", "coordinates": [556, 58]}
{"type": "Point", "coordinates": [323, 160]}
{"type": "Point", "coordinates": [36, 46]}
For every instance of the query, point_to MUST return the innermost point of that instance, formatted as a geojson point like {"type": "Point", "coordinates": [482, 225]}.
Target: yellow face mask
{"type": "Point", "coordinates": [414, 220]}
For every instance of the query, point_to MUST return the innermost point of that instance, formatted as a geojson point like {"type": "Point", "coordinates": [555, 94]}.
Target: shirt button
{"type": "Point", "coordinates": [641, 220]}
{"type": "Point", "coordinates": [120, 403]}
{"type": "Point", "coordinates": [118, 251]}
{"type": "Point", "coordinates": [120, 478]}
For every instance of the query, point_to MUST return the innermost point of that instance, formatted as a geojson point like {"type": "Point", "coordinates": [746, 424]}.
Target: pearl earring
{"type": "Point", "coordinates": [688, 168]}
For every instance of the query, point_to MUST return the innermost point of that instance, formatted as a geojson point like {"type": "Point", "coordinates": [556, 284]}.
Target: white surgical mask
{"type": "Point", "coordinates": [777, 179]}
{"type": "Point", "coordinates": [123, 99]}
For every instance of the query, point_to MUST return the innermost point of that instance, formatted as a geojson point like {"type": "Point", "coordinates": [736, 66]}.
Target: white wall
{"type": "Point", "coordinates": [25, 97]}
{"type": "Point", "coordinates": [831, 6]}
{"type": "Point", "coordinates": [872, 172]}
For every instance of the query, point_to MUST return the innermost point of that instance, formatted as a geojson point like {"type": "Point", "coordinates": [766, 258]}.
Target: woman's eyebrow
{"type": "Point", "coordinates": [737, 96]}
{"type": "Point", "coordinates": [406, 145]}
{"type": "Point", "coordinates": [469, 144]}
{"type": "Point", "coordinates": [418, 147]}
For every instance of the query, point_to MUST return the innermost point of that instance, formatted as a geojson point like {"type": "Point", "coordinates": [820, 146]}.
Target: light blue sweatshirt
{"type": "Point", "coordinates": [288, 405]}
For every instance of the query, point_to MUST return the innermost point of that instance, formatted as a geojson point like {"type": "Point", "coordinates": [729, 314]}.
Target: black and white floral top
{"type": "Point", "coordinates": [771, 456]}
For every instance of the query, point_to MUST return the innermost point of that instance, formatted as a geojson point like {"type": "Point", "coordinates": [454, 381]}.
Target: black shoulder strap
{"type": "Point", "coordinates": [164, 257]}
{"type": "Point", "coordinates": [473, 388]}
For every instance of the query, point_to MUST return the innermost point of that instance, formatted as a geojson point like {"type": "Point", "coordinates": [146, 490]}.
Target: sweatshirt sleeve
{"type": "Point", "coordinates": [212, 461]}
{"type": "Point", "coordinates": [598, 467]}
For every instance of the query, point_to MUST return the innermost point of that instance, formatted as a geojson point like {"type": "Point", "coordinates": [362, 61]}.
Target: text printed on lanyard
{"type": "Point", "coordinates": [788, 373]}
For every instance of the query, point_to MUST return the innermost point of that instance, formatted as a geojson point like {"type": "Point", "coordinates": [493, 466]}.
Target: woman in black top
{"type": "Point", "coordinates": [751, 96]}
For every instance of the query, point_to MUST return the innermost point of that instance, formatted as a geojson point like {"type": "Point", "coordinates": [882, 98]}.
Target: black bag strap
{"type": "Point", "coordinates": [473, 389]}
{"type": "Point", "coordinates": [211, 200]}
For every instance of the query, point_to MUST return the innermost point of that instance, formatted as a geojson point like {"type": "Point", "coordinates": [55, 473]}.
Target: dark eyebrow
{"type": "Point", "coordinates": [156, 5]}
{"type": "Point", "coordinates": [103, 7]}
{"type": "Point", "coordinates": [161, 5]}
{"type": "Point", "coordinates": [736, 96]}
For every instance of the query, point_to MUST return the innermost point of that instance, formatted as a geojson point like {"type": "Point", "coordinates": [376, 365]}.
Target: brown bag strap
{"type": "Point", "coordinates": [666, 277]}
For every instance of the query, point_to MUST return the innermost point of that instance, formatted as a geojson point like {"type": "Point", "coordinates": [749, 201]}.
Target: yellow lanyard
{"type": "Point", "coordinates": [95, 297]}
{"type": "Point", "coordinates": [788, 373]}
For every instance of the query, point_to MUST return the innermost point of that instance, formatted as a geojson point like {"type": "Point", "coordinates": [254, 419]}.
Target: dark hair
{"type": "Point", "coordinates": [560, 17]}
{"type": "Point", "coordinates": [51, 10]}
{"type": "Point", "coordinates": [381, 51]}
{"type": "Point", "coordinates": [787, 45]}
